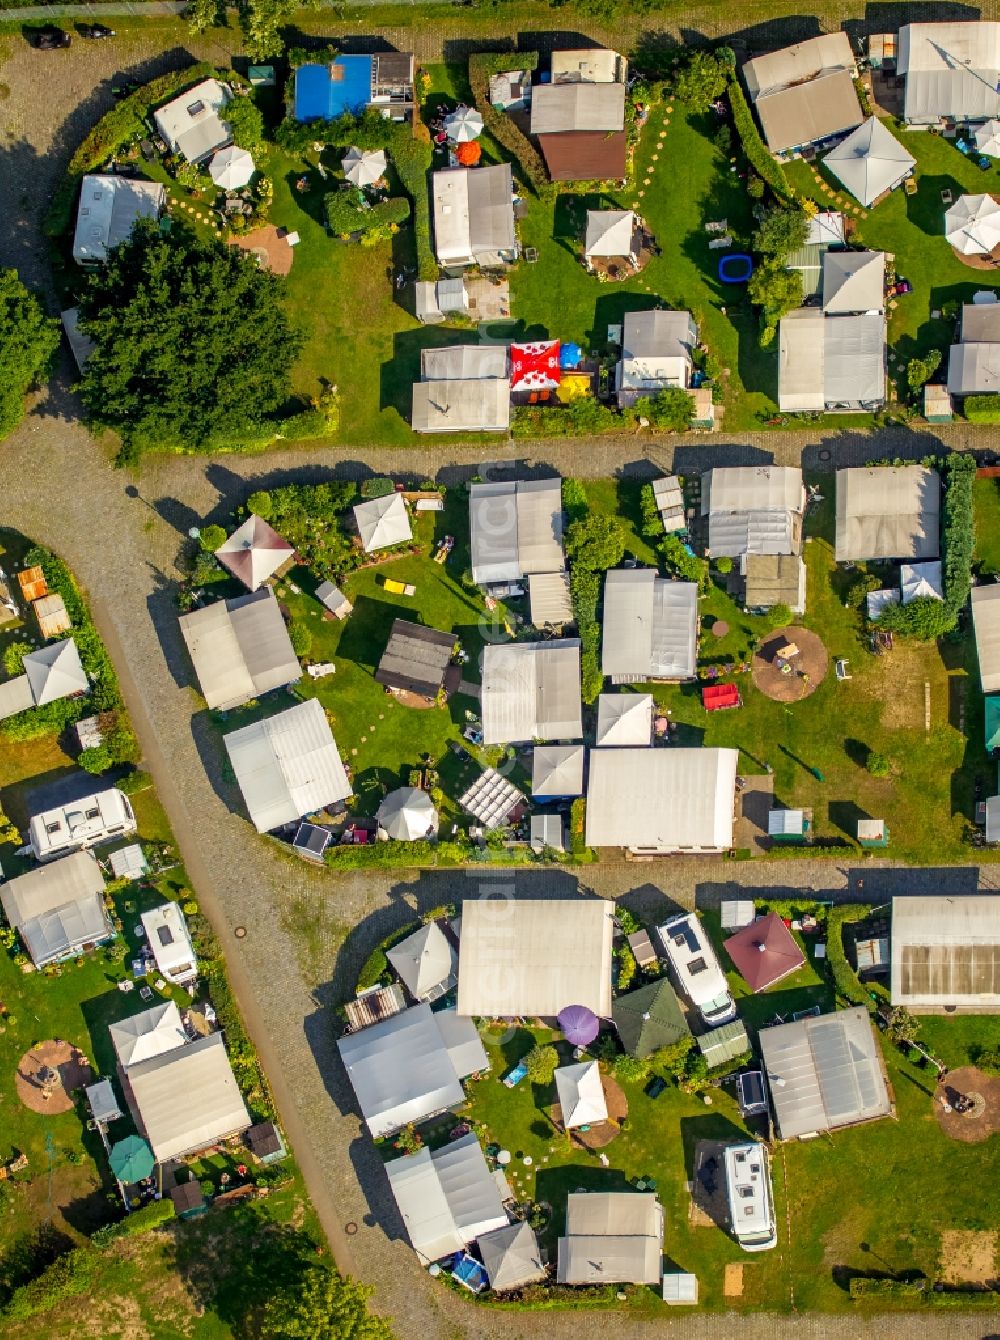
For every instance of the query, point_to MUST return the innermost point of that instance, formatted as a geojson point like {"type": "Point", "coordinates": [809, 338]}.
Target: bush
{"type": "Point", "coordinates": [499, 124]}
{"type": "Point", "coordinates": [877, 764]}
{"type": "Point", "coordinates": [701, 80]}
{"type": "Point", "coordinates": [578, 826]}
{"type": "Point", "coordinates": [631, 1069]}
{"type": "Point", "coordinates": [541, 1063]}
{"type": "Point", "coordinates": [982, 408]}
{"type": "Point", "coordinates": [347, 212]}
{"type": "Point", "coordinates": [260, 504]}
{"type": "Point", "coordinates": [596, 541]}
{"type": "Point", "coordinates": [689, 567]}
{"type": "Point", "coordinates": [244, 119]}
{"type": "Point", "coordinates": [300, 637]}
{"type": "Point", "coordinates": [585, 593]}
{"type": "Point", "coordinates": [757, 152]}
{"type": "Point", "coordinates": [67, 1277]}
{"type": "Point", "coordinates": [574, 499]}
{"type": "Point", "coordinates": [670, 410]}
{"type": "Point", "coordinates": [212, 538]}
{"type": "Point", "coordinates": [134, 782]}
{"type": "Point", "coordinates": [13, 657]}
{"type": "Point", "coordinates": [627, 968]}
{"type": "Point", "coordinates": [143, 1220]}
{"type": "Point", "coordinates": [724, 565]}
{"type": "Point", "coordinates": [862, 1287]}
{"type": "Point", "coordinates": [96, 759]}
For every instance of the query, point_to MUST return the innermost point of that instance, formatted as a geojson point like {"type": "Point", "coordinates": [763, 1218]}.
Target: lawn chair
{"type": "Point", "coordinates": [842, 671]}
{"type": "Point", "coordinates": [910, 186]}
{"type": "Point", "coordinates": [946, 196]}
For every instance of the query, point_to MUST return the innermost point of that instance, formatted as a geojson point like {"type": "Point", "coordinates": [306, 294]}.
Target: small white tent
{"type": "Point", "coordinates": [581, 1094]}
{"type": "Point", "coordinates": [870, 161]}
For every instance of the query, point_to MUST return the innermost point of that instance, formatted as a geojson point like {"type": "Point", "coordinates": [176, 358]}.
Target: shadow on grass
{"type": "Point", "coordinates": [366, 635]}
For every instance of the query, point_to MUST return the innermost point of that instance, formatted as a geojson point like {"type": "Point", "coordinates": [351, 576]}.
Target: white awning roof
{"type": "Point", "coordinates": [950, 69]}
{"type": "Point", "coordinates": [150, 1033]}
{"type": "Point", "coordinates": [557, 770]}
{"type": "Point", "coordinates": [581, 1094]}
{"type": "Point", "coordinates": [383, 522]}
{"type": "Point", "coordinates": [853, 281]}
{"type": "Point", "coordinates": [531, 691]}
{"type": "Point", "coordinates": [986, 621]}
{"type": "Point", "coordinates": [661, 799]}
{"type": "Point", "coordinates": [426, 961]}
{"type": "Point", "coordinates": [610, 232]}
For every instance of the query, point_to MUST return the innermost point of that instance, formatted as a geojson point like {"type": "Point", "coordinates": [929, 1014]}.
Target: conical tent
{"type": "Point", "coordinates": [131, 1160]}
{"type": "Point", "coordinates": [987, 138]}
{"type": "Point", "coordinates": [363, 167]}
{"type": "Point", "coordinates": [231, 168]}
{"type": "Point", "coordinates": [407, 814]}
{"type": "Point", "coordinates": [972, 225]}
{"type": "Point", "coordinates": [609, 232]}
{"type": "Point", "coordinates": [870, 161]}
{"type": "Point", "coordinates": [254, 552]}
{"type": "Point", "coordinates": [463, 125]}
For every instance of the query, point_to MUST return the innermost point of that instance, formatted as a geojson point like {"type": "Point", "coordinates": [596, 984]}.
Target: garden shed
{"type": "Point", "coordinates": [946, 954]}
{"type": "Point", "coordinates": [805, 93]}
{"type": "Point", "coordinates": [416, 659]}
{"type": "Point", "coordinates": [447, 1197]}
{"type": "Point", "coordinates": [192, 124]}
{"type": "Point", "coordinates": [531, 691]}
{"type": "Point", "coordinates": [109, 208]}
{"type": "Point", "coordinates": [656, 354]}
{"type": "Point", "coordinates": [719, 1046]}
{"type": "Point", "coordinates": [624, 719]}
{"type": "Point", "coordinates": [765, 952]}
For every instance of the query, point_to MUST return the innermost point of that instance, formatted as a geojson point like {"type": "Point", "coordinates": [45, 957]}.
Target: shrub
{"type": "Point", "coordinates": [143, 1220]}
{"type": "Point", "coordinates": [67, 1277]}
{"type": "Point", "coordinates": [845, 981]}
{"type": "Point", "coordinates": [96, 759]}
{"type": "Point", "coordinates": [499, 124]}
{"type": "Point", "coordinates": [347, 212]}
{"type": "Point", "coordinates": [212, 538]}
{"type": "Point", "coordinates": [671, 409]}
{"type": "Point", "coordinates": [877, 764]}
{"type": "Point", "coordinates": [379, 486]}
{"type": "Point", "coordinates": [300, 637]}
{"type": "Point", "coordinates": [596, 541]}
{"type": "Point", "coordinates": [631, 1069]}
{"type": "Point", "coordinates": [134, 782]}
{"type": "Point", "coordinates": [689, 567]}
{"type": "Point", "coordinates": [260, 504]}
{"type": "Point", "coordinates": [900, 1025]}
{"type": "Point", "coordinates": [724, 565]}
{"type": "Point", "coordinates": [757, 152]}
{"type": "Point", "coordinates": [13, 657]}
{"type": "Point", "coordinates": [627, 968]}
{"type": "Point", "coordinates": [244, 119]}
{"type": "Point", "coordinates": [541, 1063]}
{"type": "Point", "coordinates": [920, 370]}
{"type": "Point", "coordinates": [585, 592]}
{"type": "Point", "coordinates": [578, 826]}
{"type": "Point", "coordinates": [652, 521]}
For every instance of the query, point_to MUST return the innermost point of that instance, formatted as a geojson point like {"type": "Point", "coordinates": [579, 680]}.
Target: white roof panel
{"type": "Point", "coordinates": [661, 799]}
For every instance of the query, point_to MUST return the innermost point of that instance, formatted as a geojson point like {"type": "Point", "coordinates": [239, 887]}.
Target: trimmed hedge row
{"type": "Point", "coordinates": [982, 408]}
{"type": "Point", "coordinates": [143, 1220]}
{"type": "Point", "coordinates": [499, 125]}
{"type": "Point", "coordinates": [758, 154]}
{"type": "Point", "coordinates": [845, 980]}
{"type": "Point", "coordinates": [346, 215]}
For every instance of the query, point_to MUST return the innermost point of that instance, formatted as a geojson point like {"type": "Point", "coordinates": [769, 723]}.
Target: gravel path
{"type": "Point", "coordinates": [306, 933]}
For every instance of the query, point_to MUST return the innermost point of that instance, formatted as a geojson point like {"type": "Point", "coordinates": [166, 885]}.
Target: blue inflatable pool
{"type": "Point", "coordinates": [735, 268]}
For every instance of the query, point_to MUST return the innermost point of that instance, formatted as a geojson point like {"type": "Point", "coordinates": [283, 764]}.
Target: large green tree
{"type": "Point", "coordinates": [782, 230]}
{"type": "Point", "coordinates": [192, 343]}
{"type": "Point", "coordinates": [701, 81]}
{"type": "Point", "coordinates": [596, 541]}
{"type": "Point", "coordinates": [323, 1306]}
{"type": "Point", "coordinates": [28, 340]}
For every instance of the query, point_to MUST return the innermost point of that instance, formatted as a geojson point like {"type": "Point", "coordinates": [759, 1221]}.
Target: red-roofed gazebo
{"type": "Point", "coordinates": [535, 367]}
{"type": "Point", "coordinates": [764, 952]}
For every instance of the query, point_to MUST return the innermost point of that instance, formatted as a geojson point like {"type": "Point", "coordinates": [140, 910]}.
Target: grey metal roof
{"type": "Point", "coordinates": [754, 509]}
{"type": "Point", "coordinates": [801, 346]}
{"type": "Point", "coordinates": [661, 799]}
{"type": "Point", "coordinates": [888, 512]}
{"type": "Point", "coordinates": [511, 1256]}
{"type": "Point", "coordinates": [658, 334]}
{"type": "Point", "coordinates": [415, 658]}
{"type": "Point", "coordinates": [612, 1237]}
{"type": "Point", "coordinates": [720, 1045]}
{"type": "Point", "coordinates": [401, 1070]}
{"type": "Point", "coordinates": [986, 621]}
{"type": "Point", "coordinates": [287, 766]}
{"type": "Point", "coordinates": [462, 362]}
{"type": "Point", "coordinates": [58, 907]}
{"type": "Point", "coordinates": [547, 830]}
{"type": "Point", "coordinates": [535, 956]}
{"type": "Point", "coordinates": [650, 626]}
{"type": "Point", "coordinates": [531, 691]}
{"type": "Point", "coordinates": [854, 360]}
{"type": "Point", "coordinates": [974, 368]}
{"type": "Point", "coordinates": [561, 107]}
{"type": "Point", "coordinates": [15, 696]}
{"type": "Point", "coordinates": [476, 405]}
{"type": "Point", "coordinates": [109, 209]}
{"type": "Point", "coordinates": [808, 112]}
{"type": "Point", "coordinates": [950, 69]}
{"type": "Point", "coordinates": [824, 1072]}
{"type": "Point", "coordinates": [447, 1197]}
{"type": "Point", "coordinates": [946, 953]}
{"type": "Point", "coordinates": [187, 1098]}
{"type": "Point", "coordinates": [981, 322]}
{"type": "Point", "coordinates": [516, 529]}
{"type": "Point", "coordinates": [240, 648]}
{"type": "Point", "coordinates": [870, 161]}
{"type": "Point", "coordinates": [853, 281]}
{"type": "Point", "coordinates": [473, 212]}
{"type": "Point", "coordinates": [557, 769]}
{"type": "Point", "coordinates": [798, 63]}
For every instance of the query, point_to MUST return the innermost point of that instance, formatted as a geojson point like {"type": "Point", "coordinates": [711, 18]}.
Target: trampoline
{"type": "Point", "coordinates": [735, 268]}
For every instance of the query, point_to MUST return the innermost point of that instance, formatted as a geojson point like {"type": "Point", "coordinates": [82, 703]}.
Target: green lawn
{"type": "Point", "coordinates": [912, 229]}
{"type": "Point", "coordinates": [986, 499]}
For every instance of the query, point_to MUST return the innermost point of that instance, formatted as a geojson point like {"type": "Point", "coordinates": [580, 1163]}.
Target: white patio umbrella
{"type": "Point", "coordinates": [972, 225]}
{"type": "Point", "coordinates": [463, 125]}
{"type": "Point", "coordinates": [987, 138]}
{"type": "Point", "coordinates": [363, 167]}
{"type": "Point", "coordinates": [231, 168]}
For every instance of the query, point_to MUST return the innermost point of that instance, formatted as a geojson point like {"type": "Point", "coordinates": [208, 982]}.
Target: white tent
{"type": "Point", "coordinates": [231, 168]}
{"type": "Point", "coordinates": [55, 671]}
{"type": "Point", "coordinates": [363, 167]}
{"type": "Point", "coordinates": [383, 522]}
{"type": "Point", "coordinates": [870, 161]}
{"type": "Point", "coordinates": [426, 961]}
{"type": "Point", "coordinates": [921, 580]}
{"type": "Point", "coordinates": [624, 719]}
{"type": "Point", "coordinates": [972, 225]}
{"type": "Point", "coordinates": [407, 814]}
{"type": "Point", "coordinates": [987, 138]}
{"type": "Point", "coordinates": [581, 1094]}
{"type": "Point", "coordinates": [463, 125]}
{"type": "Point", "coordinates": [610, 232]}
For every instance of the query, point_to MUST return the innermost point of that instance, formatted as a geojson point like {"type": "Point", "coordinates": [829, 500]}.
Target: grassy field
{"type": "Point", "coordinates": [912, 229]}
{"type": "Point", "coordinates": [873, 1199]}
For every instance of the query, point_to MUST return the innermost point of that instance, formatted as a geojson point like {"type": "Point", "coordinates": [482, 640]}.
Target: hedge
{"type": "Point", "coordinates": [122, 124]}
{"type": "Point", "coordinates": [758, 154]}
{"type": "Point", "coordinates": [845, 979]}
{"type": "Point", "coordinates": [346, 213]}
{"type": "Point", "coordinates": [585, 592]}
{"type": "Point", "coordinates": [143, 1220]}
{"type": "Point", "coordinates": [499, 124]}
{"type": "Point", "coordinates": [67, 1277]}
{"type": "Point", "coordinates": [982, 408]}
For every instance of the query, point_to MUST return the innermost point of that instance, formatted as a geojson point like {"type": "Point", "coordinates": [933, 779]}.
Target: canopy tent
{"type": "Point", "coordinates": [987, 138]}
{"type": "Point", "coordinates": [131, 1160]}
{"type": "Point", "coordinates": [921, 581]}
{"type": "Point", "coordinates": [407, 814]}
{"type": "Point", "coordinates": [557, 770]}
{"type": "Point", "coordinates": [535, 367]}
{"type": "Point", "coordinates": [55, 672]}
{"type": "Point", "coordinates": [464, 124]}
{"type": "Point", "coordinates": [383, 522]}
{"type": "Point", "coordinates": [870, 161]}
{"type": "Point", "coordinates": [511, 1257]}
{"type": "Point", "coordinates": [624, 719]}
{"type": "Point", "coordinates": [426, 961]}
{"type": "Point", "coordinates": [610, 232]}
{"type": "Point", "coordinates": [581, 1094]}
{"type": "Point", "coordinates": [231, 168]}
{"type": "Point", "coordinates": [364, 167]}
{"type": "Point", "coordinates": [254, 552]}
{"type": "Point", "coordinates": [972, 225]}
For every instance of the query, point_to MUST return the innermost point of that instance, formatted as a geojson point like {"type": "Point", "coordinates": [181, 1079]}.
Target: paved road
{"type": "Point", "coordinates": [300, 949]}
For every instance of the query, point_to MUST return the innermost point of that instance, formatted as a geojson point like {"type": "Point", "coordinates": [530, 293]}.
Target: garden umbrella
{"type": "Point", "coordinates": [408, 814]}
{"type": "Point", "coordinates": [464, 124]}
{"type": "Point", "coordinates": [131, 1160]}
{"type": "Point", "coordinates": [364, 167]}
{"type": "Point", "coordinates": [570, 355]}
{"type": "Point", "coordinates": [231, 168]}
{"type": "Point", "coordinates": [987, 138]}
{"type": "Point", "coordinates": [972, 225]}
{"type": "Point", "coordinates": [579, 1024]}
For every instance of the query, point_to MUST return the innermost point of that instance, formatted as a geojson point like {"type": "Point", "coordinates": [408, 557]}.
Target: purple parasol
{"type": "Point", "coordinates": [579, 1024]}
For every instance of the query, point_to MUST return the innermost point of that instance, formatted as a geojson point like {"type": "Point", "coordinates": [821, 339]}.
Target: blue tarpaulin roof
{"type": "Point", "coordinates": [992, 704]}
{"type": "Point", "coordinates": [324, 92]}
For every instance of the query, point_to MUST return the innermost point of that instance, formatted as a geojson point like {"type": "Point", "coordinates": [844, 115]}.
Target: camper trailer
{"type": "Point", "coordinates": [696, 968]}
